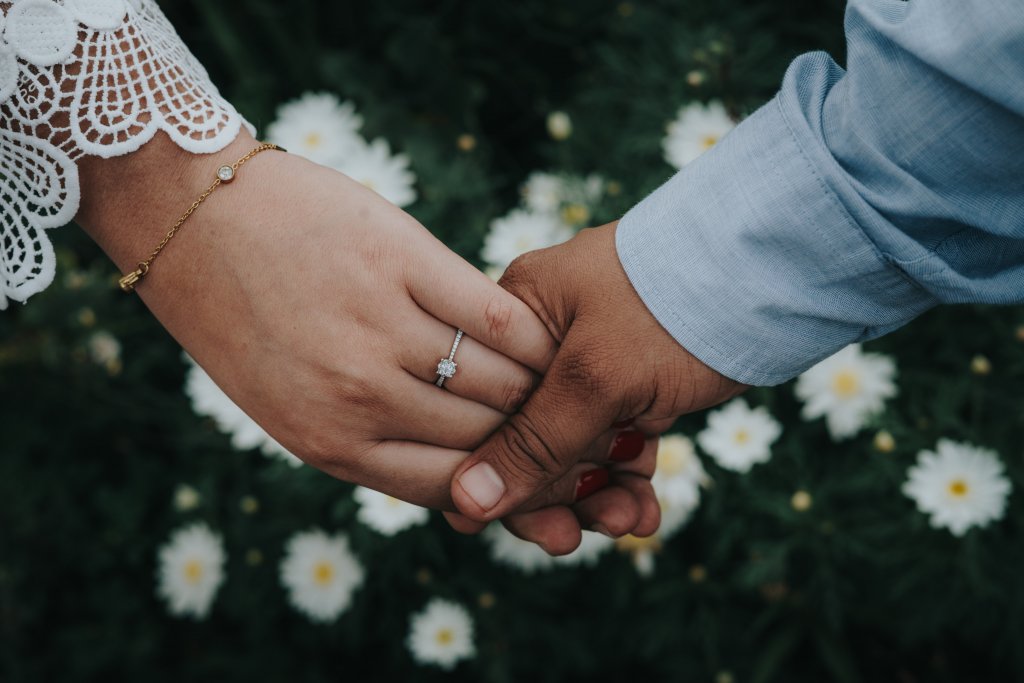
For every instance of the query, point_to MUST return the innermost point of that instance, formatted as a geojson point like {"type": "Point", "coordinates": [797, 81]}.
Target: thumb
{"type": "Point", "coordinates": [538, 446]}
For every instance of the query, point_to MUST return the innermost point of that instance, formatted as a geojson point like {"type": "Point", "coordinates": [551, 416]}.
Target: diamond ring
{"type": "Point", "coordinates": [446, 367]}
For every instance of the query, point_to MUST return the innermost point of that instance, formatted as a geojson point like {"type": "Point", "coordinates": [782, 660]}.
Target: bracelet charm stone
{"type": "Point", "coordinates": [225, 174]}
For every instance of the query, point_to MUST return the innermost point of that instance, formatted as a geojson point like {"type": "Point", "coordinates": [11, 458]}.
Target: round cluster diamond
{"type": "Point", "coordinates": [446, 368]}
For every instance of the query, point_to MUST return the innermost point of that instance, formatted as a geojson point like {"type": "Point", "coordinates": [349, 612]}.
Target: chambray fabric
{"type": "Point", "coordinates": [853, 201]}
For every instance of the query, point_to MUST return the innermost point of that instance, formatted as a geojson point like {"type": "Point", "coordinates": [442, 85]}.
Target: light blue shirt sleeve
{"type": "Point", "coordinates": [852, 202]}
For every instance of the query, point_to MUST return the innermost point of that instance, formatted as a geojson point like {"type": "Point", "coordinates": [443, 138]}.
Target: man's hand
{"type": "Point", "coordinates": [615, 363]}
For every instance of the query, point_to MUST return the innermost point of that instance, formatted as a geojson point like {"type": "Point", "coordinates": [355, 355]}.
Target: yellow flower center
{"type": "Point", "coordinates": [670, 462]}
{"type": "Point", "coordinates": [635, 544]}
{"type": "Point", "coordinates": [323, 573]}
{"type": "Point", "coordinates": [393, 502]}
{"type": "Point", "coordinates": [193, 571]}
{"type": "Point", "coordinates": [958, 488]}
{"type": "Point", "coordinates": [845, 384]}
{"type": "Point", "coordinates": [313, 140]}
{"type": "Point", "coordinates": [445, 636]}
{"type": "Point", "coordinates": [742, 436]}
{"type": "Point", "coordinates": [575, 214]}
{"type": "Point", "coordinates": [709, 141]}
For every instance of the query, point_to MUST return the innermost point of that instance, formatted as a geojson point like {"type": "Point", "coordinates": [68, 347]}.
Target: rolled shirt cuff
{"type": "Point", "coordinates": [750, 259]}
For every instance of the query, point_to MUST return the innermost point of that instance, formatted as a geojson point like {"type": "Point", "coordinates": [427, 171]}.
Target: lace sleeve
{"type": "Point", "coordinates": [86, 77]}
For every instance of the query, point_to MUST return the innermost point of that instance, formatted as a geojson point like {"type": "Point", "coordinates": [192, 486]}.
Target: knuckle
{"type": "Point", "coordinates": [353, 389]}
{"type": "Point", "coordinates": [323, 440]}
{"type": "Point", "coordinates": [582, 367]}
{"type": "Point", "coordinates": [335, 453]}
{"type": "Point", "coordinates": [514, 394]}
{"type": "Point", "coordinates": [526, 455]}
{"type": "Point", "coordinates": [529, 279]}
{"type": "Point", "coordinates": [317, 448]}
{"type": "Point", "coordinates": [498, 317]}
{"type": "Point", "coordinates": [518, 265]}
{"type": "Point", "coordinates": [517, 277]}
{"type": "Point", "coordinates": [367, 399]}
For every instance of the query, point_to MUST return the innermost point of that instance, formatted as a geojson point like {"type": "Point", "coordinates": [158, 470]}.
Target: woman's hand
{"type": "Point", "coordinates": [322, 310]}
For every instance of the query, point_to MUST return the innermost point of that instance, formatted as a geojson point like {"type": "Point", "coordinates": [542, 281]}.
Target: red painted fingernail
{"type": "Point", "coordinates": [622, 424]}
{"type": "Point", "coordinates": [591, 482]}
{"type": "Point", "coordinates": [627, 446]}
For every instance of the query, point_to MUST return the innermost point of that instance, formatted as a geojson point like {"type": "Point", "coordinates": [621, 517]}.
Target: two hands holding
{"type": "Point", "coordinates": [322, 311]}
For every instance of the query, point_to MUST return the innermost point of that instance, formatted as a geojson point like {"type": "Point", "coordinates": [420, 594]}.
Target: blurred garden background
{"type": "Point", "coordinates": [507, 126]}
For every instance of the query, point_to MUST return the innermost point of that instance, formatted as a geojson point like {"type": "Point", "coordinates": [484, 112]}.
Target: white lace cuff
{"type": "Point", "coordinates": [78, 77]}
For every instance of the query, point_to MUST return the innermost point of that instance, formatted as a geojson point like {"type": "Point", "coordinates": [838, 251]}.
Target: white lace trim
{"type": "Point", "coordinates": [77, 77]}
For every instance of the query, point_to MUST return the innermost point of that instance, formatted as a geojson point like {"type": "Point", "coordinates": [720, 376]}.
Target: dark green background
{"type": "Point", "coordinates": [859, 588]}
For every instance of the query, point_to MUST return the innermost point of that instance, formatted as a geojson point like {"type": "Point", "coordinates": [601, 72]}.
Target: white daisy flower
{"type": "Point", "coordinates": [592, 547]}
{"type": "Point", "coordinates": [510, 550]}
{"type": "Point", "coordinates": [208, 399]}
{"type": "Point", "coordinates": [677, 480]}
{"type": "Point", "coordinates": [519, 232]}
{"type": "Point", "coordinates": [738, 436]}
{"type": "Point", "coordinates": [696, 129]}
{"type": "Point", "coordinates": [386, 514]}
{"type": "Point", "coordinates": [643, 551]}
{"type": "Point", "coordinates": [441, 634]}
{"type": "Point", "coordinates": [848, 388]}
{"type": "Point", "coordinates": [570, 198]}
{"type": "Point", "coordinates": [580, 196]}
{"type": "Point", "coordinates": [679, 473]}
{"type": "Point", "coordinates": [374, 166]}
{"type": "Point", "coordinates": [317, 126]}
{"type": "Point", "coordinates": [959, 486]}
{"type": "Point", "coordinates": [191, 569]}
{"type": "Point", "coordinates": [673, 518]}
{"type": "Point", "coordinates": [543, 192]}
{"type": "Point", "coordinates": [320, 574]}
{"type": "Point", "coordinates": [588, 190]}
{"type": "Point", "coordinates": [104, 349]}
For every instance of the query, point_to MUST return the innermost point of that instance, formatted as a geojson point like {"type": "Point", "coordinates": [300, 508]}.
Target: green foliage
{"type": "Point", "coordinates": [857, 588]}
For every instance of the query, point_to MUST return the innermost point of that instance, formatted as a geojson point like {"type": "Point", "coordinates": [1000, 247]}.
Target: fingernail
{"type": "Point", "coordinates": [591, 482]}
{"type": "Point", "coordinates": [627, 446]}
{"type": "Point", "coordinates": [483, 485]}
{"type": "Point", "coordinates": [602, 529]}
{"type": "Point", "coordinates": [622, 424]}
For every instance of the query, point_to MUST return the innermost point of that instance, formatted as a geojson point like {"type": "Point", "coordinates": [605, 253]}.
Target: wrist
{"type": "Point", "coordinates": [129, 202]}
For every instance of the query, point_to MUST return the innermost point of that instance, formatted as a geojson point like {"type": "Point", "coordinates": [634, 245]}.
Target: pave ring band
{"type": "Point", "coordinates": [446, 366]}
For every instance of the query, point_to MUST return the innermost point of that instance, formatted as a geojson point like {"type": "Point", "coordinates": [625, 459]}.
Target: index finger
{"type": "Point", "coordinates": [453, 291]}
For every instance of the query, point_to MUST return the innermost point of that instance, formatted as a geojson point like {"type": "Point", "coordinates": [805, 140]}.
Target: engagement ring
{"type": "Point", "coordinates": [446, 367]}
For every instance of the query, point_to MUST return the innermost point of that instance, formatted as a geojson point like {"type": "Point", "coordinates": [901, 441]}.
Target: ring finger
{"type": "Point", "coordinates": [481, 374]}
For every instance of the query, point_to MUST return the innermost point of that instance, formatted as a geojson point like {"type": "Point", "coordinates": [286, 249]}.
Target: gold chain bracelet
{"type": "Point", "coordinates": [225, 174]}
